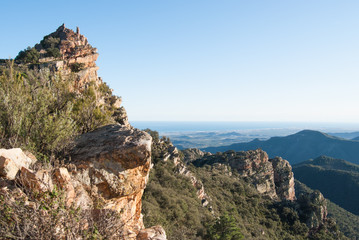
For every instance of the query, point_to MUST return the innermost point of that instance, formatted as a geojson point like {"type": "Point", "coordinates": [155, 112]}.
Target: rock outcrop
{"type": "Point", "coordinates": [283, 178]}
{"type": "Point", "coordinates": [76, 56]}
{"type": "Point", "coordinates": [271, 177]}
{"type": "Point", "coordinates": [68, 54]}
{"type": "Point", "coordinates": [108, 170]}
{"type": "Point", "coordinates": [12, 160]}
{"type": "Point", "coordinates": [192, 154]}
{"type": "Point", "coordinates": [113, 163]}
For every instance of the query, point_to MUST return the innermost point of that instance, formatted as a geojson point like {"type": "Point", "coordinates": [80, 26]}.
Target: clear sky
{"type": "Point", "coordinates": [204, 60]}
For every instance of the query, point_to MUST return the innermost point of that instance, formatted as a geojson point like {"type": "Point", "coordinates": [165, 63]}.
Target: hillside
{"type": "Point", "coordinates": [348, 223]}
{"type": "Point", "coordinates": [303, 145]}
{"type": "Point", "coordinates": [246, 189]}
{"type": "Point", "coordinates": [337, 179]}
{"type": "Point", "coordinates": [71, 166]}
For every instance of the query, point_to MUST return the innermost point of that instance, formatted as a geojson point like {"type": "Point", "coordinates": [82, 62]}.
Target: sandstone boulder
{"type": "Point", "coordinates": [12, 160]}
{"type": "Point", "coordinates": [112, 164]}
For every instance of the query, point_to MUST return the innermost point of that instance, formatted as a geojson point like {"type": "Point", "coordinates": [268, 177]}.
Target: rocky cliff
{"type": "Point", "coordinates": [68, 55]}
{"type": "Point", "coordinates": [271, 177]}
{"type": "Point", "coordinates": [108, 170]}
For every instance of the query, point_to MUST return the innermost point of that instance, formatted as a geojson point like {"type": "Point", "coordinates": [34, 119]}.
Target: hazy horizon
{"type": "Point", "coordinates": [287, 61]}
{"type": "Point", "coordinates": [241, 126]}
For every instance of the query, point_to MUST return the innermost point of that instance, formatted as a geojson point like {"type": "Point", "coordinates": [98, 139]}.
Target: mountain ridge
{"type": "Point", "coordinates": [300, 146]}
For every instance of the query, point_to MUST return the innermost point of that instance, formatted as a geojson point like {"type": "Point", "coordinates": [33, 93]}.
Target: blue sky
{"type": "Point", "coordinates": [181, 60]}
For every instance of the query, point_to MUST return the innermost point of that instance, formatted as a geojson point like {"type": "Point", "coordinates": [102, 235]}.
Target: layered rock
{"type": "Point", "coordinates": [113, 163]}
{"type": "Point", "coordinates": [271, 177]}
{"type": "Point", "coordinates": [68, 54]}
{"type": "Point", "coordinates": [76, 57]}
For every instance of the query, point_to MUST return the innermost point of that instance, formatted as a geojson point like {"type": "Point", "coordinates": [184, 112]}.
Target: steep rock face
{"type": "Point", "coordinates": [271, 177]}
{"type": "Point", "coordinates": [283, 178]}
{"type": "Point", "coordinates": [113, 163]}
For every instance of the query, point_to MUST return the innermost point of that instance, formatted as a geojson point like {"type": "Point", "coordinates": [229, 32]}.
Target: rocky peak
{"type": "Point", "coordinates": [69, 52]}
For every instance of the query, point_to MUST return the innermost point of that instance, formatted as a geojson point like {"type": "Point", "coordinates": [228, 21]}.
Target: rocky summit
{"type": "Point", "coordinates": [76, 56]}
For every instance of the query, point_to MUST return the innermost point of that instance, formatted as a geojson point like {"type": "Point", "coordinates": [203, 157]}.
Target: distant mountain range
{"type": "Point", "coordinates": [337, 179]}
{"type": "Point", "coordinates": [295, 148]}
{"type": "Point", "coordinates": [346, 135]}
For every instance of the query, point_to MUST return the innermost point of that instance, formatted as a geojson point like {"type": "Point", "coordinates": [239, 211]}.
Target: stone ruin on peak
{"type": "Point", "coordinates": [75, 56]}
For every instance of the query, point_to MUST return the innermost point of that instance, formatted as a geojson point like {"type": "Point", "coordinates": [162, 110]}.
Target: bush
{"type": "Point", "coordinates": [46, 216]}
{"type": "Point", "coordinates": [39, 112]}
{"type": "Point", "coordinates": [29, 55]}
{"type": "Point", "coordinates": [76, 67]}
{"type": "Point", "coordinates": [53, 52]}
{"type": "Point", "coordinates": [225, 228]}
{"type": "Point", "coordinates": [35, 112]}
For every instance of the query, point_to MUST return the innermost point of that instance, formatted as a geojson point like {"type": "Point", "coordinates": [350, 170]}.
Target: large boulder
{"type": "Point", "coordinates": [12, 160]}
{"type": "Point", "coordinates": [113, 163]}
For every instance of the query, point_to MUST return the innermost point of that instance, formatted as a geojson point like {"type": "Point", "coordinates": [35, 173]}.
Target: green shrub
{"type": "Point", "coordinates": [53, 52]}
{"type": "Point", "coordinates": [76, 67]}
{"type": "Point", "coordinates": [225, 228]}
{"type": "Point", "coordinates": [29, 55]}
{"type": "Point", "coordinates": [39, 112]}
{"type": "Point", "coordinates": [35, 112]}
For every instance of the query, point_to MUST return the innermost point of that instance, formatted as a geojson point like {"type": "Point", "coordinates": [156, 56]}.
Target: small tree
{"type": "Point", "coordinates": [29, 55]}
{"type": "Point", "coordinates": [225, 228]}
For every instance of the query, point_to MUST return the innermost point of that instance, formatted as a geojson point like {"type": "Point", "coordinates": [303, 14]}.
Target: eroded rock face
{"type": "Point", "coordinates": [283, 178]}
{"type": "Point", "coordinates": [77, 57]}
{"type": "Point", "coordinates": [113, 163]}
{"type": "Point", "coordinates": [313, 208]}
{"type": "Point", "coordinates": [271, 177]}
{"type": "Point", "coordinates": [109, 170]}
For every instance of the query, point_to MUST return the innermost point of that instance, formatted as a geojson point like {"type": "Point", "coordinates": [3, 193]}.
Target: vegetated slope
{"type": "Point", "coordinates": [305, 144]}
{"type": "Point", "coordinates": [170, 200]}
{"type": "Point", "coordinates": [337, 179]}
{"type": "Point", "coordinates": [347, 222]}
